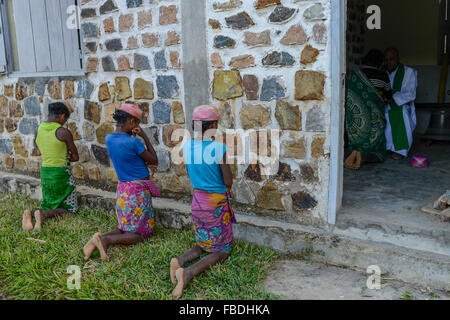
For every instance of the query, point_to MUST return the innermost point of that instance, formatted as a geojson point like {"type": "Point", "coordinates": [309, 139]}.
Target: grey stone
{"type": "Point", "coordinates": [167, 86]}
{"type": "Point", "coordinates": [90, 30]}
{"type": "Point", "coordinates": [101, 154]}
{"type": "Point", "coordinates": [108, 64]}
{"type": "Point", "coordinates": [108, 6]}
{"type": "Point", "coordinates": [39, 87]}
{"type": "Point", "coordinates": [239, 21]}
{"type": "Point", "coordinates": [271, 89]}
{"type": "Point", "coordinates": [161, 111]}
{"type": "Point", "coordinates": [163, 160]}
{"type": "Point", "coordinates": [141, 62]}
{"type": "Point", "coordinates": [84, 89]}
{"type": "Point", "coordinates": [315, 120]}
{"type": "Point", "coordinates": [276, 58]}
{"type": "Point", "coordinates": [91, 46]}
{"type": "Point", "coordinates": [223, 42]}
{"type": "Point", "coordinates": [160, 60]}
{"type": "Point", "coordinates": [88, 13]}
{"type": "Point", "coordinates": [316, 12]}
{"type": "Point", "coordinates": [32, 106]}
{"type": "Point", "coordinates": [282, 14]}
{"type": "Point", "coordinates": [28, 126]}
{"type": "Point", "coordinates": [6, 146]}
{"type": "Point", "coordinates": [113, 44]}
{"type": "Point", "coordinates": [134, 3]}
{"type": "Point", "coordinates": [153, 134]}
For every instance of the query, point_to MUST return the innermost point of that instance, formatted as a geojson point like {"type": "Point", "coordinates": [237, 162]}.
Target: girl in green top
{"type": "Point", "coordinates": [57, 148]}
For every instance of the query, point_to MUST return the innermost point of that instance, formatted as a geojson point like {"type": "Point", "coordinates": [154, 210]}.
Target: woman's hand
{"type": "Point", "coordinates": [138, 131]}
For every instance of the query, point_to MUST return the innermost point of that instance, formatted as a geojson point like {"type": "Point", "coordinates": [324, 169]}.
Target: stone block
{"type": "Point", "coordinates": [227, 85]}
{"type": "Point", "coordinates": [161, 112]}
{"type": "Point", "coordinates": [272, 89]}
{"type": "Point", "coordinates": [254, 116]}
{"type": "Point", "coordinates": [143, 89]}
{"type": "Point", "coordinates": [289, 117]}
{"type": "Point", "coordinates": [167, 87]}
{"type": "Point", "coordinates": [309, 85]}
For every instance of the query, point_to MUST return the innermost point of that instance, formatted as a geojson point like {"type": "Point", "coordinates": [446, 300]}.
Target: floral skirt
{"type": "Point", "coordinates": [134, 207]}
{"type": "Point", "coordinates": [213, 217]}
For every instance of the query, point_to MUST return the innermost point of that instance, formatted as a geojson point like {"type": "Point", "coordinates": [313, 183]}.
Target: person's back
{"type": "Point", "coordinates": [124, 151]}
{"type": "Point", "coordinates": [202, 164]}
{"type": "Point", "coordinates": [53, 150]}
{"type": "Point", "coordinates": [57, 149]}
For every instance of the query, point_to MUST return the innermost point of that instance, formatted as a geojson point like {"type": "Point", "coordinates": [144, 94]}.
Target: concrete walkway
{"type": "Point", "coordinates": [304, 280]}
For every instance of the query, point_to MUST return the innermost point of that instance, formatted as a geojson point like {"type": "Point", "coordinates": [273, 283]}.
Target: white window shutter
{"type": "Point", "coordinates": [3, 61]}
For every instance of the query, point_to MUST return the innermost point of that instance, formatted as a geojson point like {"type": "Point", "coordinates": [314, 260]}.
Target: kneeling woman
{"type": "Point", "coordinates": [135, 189]}
{"type": "Point", "coordinates": [212, 215]}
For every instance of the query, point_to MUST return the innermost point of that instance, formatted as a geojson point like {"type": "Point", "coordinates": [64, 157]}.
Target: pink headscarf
{"type": "Point", "coordinates": [132, 109]}
{"type": "Point", "coordinates": [205, 113]}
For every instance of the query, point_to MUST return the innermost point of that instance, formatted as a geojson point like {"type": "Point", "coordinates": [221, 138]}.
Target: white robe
{"type": "Point", "coordinates": [404, 98]}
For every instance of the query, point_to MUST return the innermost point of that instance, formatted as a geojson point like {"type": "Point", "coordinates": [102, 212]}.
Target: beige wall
{"type": "Point", "coordinates": [410, 25]}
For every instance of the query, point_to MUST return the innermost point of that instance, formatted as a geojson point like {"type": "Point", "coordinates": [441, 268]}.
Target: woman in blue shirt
{"type": "Point", "coordinates": [212, 215]}
{"type": "Point", "coordinates": [135, 189]}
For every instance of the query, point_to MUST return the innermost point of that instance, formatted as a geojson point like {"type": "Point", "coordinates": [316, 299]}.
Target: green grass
{"type": "Point", "coordinates": [33, 270]}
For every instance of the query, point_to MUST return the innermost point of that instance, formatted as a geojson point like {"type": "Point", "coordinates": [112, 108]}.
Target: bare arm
{"type": "Point", "coordinates": [226, 173]}
{"type": "Point", "coordinates": [149, 155]}
{"type": "Point", "coordinates": [65, 135]}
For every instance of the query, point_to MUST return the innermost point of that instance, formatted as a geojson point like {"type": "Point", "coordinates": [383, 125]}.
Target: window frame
{"type": "Point", "coordinates": [11, 73]}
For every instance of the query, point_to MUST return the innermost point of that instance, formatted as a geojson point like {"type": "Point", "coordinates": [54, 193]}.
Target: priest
{"type": "Point", "coordinates": [400, 113]}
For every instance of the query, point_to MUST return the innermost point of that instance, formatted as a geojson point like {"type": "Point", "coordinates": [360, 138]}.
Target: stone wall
{"type": "Point", "coordinates": [268, 69]}
{"type": "Point", "coordinates": [269, 65]}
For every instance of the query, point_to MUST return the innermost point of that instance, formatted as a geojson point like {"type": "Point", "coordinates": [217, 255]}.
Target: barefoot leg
{"type": "Point", "coordinates": [27, 224]}
{"type": "Point", "coordinates": [174, 266]}
{"type": "Point", "coordinates": [357, 164]}
{"type": "Point", "coordinates": [350, 160]}
{"type": "Point", "coordinates": [178, 291]}
{"type": "Point", "coordinates": [38, 218]}
{"type": "Point", "coordinates": [189, 255]}
{"type": "Point", "coordinates": [185, 275]}
{"type": "Point", "coordinates": [101, 248]}
{"type": "Point", "coordinates": [89, 248]}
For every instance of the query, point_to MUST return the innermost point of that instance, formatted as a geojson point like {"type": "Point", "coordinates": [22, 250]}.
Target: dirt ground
{"type": "Point", "coordinates": [304, 280]}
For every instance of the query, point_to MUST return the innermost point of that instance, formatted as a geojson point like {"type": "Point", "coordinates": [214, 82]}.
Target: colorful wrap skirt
{"type": "Point", "coordinates": [134, 207]}
{"type": "Point", "coordinates": [58, 189]}
{"type": "Point", "coordinates": [213, 217]}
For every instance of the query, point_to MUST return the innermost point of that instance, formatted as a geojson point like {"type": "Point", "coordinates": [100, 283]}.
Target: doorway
{"type": "Point", "coordinates": [391, 194]}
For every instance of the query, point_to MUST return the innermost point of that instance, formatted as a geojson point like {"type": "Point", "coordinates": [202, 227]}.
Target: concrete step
{"type": "Point", "coordinates": [331, 246]}
{"type": "Point", "coordinates": [414, 230]}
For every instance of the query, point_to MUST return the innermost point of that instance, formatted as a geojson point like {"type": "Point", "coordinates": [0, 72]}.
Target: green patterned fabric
{"type": "Point", "coordinates": [57, 188]}
{"type": "Point", "coordinates": [365, 117]}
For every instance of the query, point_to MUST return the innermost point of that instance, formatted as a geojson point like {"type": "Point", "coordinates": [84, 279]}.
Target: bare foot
{"type": "Point", "coordinates": [38, 218]}
{"type": "Point", "coordinates": [174, 266]}
{"type": "Point", "coordinates": [88, 249]}
{"type": "Point", "coordinates": [178, 291]}
{"type": "Point", "coordinates": [27, 224]}
{"type": "Point", "coordinates": [357, 164]}
{"type": "Point", "coordinates": [350, 160]}
{"type": "Point", "coordinates": [99, 244]}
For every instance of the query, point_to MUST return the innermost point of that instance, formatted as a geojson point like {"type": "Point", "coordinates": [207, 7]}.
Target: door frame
{"type": "Point", "coordinates": [337, 40]}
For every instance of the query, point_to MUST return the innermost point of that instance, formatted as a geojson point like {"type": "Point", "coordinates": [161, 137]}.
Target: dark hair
{"type": "Point", "coordinates": [58, 108]}
{"type": "Point", "coordinates": [205, 124]}
{"type": "Point", "coordinates": [373, 58]}
{"type": "Point", "coordinates": [122, 117]}
{"type": "Point", "coordinates": [393, 49]}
